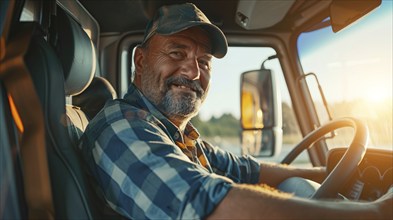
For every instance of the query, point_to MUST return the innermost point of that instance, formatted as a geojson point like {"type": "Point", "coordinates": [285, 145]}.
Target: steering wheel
{"type": "Point", "coordinates": [348, 163]}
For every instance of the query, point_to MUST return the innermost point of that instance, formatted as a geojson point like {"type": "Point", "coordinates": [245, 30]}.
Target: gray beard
{"type": "Point", "coordinates": [179, 105]}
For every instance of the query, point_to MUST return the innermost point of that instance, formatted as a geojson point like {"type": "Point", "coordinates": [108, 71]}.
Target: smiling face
{"type": "Point", "coordinates": [173, 72]}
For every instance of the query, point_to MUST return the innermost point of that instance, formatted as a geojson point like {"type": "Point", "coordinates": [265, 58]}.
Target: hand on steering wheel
{"type": "Point", "coordinates": [348, 163]}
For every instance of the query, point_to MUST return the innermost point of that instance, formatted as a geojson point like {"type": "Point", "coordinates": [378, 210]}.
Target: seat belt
{"type": "Point", "coordinates": [20, 87]}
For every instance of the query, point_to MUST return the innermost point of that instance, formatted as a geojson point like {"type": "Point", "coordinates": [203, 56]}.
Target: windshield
{"type": "Point", "coordinates": [354, 68]}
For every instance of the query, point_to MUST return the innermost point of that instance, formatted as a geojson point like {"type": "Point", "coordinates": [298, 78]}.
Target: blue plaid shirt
{"type": "Point", "coordinates": [138, 159]}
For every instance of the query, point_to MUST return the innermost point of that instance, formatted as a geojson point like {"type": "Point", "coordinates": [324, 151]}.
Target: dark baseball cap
{"type": "Point", "coordinates": [171, 19]}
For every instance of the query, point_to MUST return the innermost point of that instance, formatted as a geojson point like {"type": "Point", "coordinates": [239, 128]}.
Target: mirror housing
{"type": "Point", "coordinates": [261, 114]}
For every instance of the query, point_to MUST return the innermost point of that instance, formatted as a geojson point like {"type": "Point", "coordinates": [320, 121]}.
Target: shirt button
{"type": "Point", "coordinates": [176, 136]}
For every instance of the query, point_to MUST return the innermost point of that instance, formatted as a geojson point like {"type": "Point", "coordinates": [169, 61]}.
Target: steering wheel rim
{"type": "Point", "coordinates": [347, 164]}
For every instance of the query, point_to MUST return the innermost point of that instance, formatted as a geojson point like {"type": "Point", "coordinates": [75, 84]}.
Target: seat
{"type": "Point", "coordinates": [88, 95]}
{"type": "Point", "coordinates": [63, 68]}
{"type": "Point", "coordinates": [55, 73]}
{"type": "Point", "coordinates": [77, 56]}
{"type": "Point", "coordinates": [86, 105]}
{"type": "Point", "coordinates": [92, 99]}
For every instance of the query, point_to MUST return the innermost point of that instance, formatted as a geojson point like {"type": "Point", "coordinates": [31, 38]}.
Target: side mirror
{"type": "Point", "coordinates": [261, 114]}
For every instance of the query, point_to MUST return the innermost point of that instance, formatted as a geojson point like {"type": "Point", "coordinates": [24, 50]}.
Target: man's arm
{"type": "Point", "coordinates": [273, 174]}
{"type": "Point", "coordinates": [253, 202]}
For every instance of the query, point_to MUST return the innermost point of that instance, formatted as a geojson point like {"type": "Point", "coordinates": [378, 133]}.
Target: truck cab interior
{"type": "Point", "coordinates": [61, 60]}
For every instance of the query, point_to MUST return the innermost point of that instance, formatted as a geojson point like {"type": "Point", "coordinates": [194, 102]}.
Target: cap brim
{"type": "Point", "coordinates": [219, 41]}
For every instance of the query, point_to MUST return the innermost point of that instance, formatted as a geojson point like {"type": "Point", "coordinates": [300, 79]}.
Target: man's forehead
{"type": "Point", "coordinates": [188, 37]}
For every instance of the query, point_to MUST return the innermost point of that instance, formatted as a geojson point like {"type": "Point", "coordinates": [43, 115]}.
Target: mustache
{"type": "Point", "coordinates": [183, 81]}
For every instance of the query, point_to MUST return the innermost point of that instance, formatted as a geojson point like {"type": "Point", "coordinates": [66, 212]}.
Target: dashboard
{"type": "Point", "coordinates": [373, 176]}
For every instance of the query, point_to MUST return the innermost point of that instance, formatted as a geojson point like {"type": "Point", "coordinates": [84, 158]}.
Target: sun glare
{"type": "Point", "coordinates": [378, 94]}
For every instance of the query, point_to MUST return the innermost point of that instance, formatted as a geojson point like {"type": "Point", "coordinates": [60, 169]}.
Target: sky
{"type": "Point", "coordinates": [224, 95]}
{"type": "Point", "coordinates": [370, 53]}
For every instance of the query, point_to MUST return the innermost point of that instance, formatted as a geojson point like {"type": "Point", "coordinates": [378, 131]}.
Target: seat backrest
{"type": "Point", "coordinates": [71, 65]}
{"type": "Point", "coordinates": [93, 99]}
{"type": "Point", "coordinates": [77, 56]}
{"type": "Point", "coordinates": [88, 95]}
{"type": "Point", "coordinates": [86, 105]}
{"type": "Point", "coordinates": [77, 121]}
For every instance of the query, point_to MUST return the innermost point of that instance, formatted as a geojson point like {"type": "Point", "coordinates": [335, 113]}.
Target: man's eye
{"type": "Point", "coordinates": [176, 54]}
{"type": "Point", "coordinates": [204, 65]}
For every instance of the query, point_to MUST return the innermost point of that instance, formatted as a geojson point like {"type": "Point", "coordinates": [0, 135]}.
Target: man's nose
{"type": "Point", "coordinates": [190, 68]}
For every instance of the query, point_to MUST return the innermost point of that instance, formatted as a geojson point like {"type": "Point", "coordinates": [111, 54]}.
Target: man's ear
{"type": "Point", "coordinates": [138, 61]}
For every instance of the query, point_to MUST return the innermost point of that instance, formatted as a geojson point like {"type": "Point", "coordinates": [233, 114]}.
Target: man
{"type": "Point", "coordinates": [148, 159]}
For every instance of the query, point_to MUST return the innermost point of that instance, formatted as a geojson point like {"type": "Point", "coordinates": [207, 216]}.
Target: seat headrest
{"type": "Point", "coordinates": [76, 53]}
{"type": "Point", "coordinates": [93, 99]}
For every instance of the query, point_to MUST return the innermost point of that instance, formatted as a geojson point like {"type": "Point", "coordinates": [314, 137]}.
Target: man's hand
{"type": "Point", "coordinates": [385, 204]}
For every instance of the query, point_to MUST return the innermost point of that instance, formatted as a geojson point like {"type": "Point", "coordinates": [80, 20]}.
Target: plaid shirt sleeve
{"type": "Point", "coordinates": [244, 169]}
{"type": "Point", "coordinates": [143, 174]}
